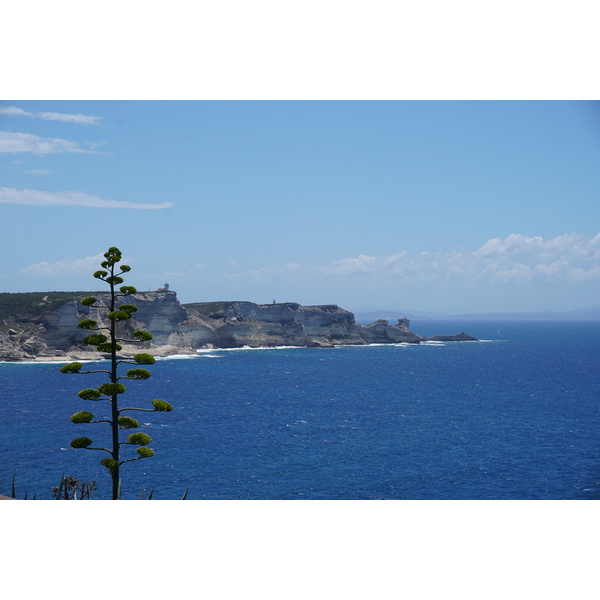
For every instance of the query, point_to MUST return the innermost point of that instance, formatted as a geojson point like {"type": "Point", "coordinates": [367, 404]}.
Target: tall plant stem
{"type": "Point", "coordinates": [114, 405]}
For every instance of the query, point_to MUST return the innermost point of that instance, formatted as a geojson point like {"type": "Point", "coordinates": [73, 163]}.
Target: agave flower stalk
{"type": "Point", "coordinates": [106, 341]}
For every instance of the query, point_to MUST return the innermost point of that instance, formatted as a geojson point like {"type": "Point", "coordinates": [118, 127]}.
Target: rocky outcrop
{"type": "Point", "coordinates": [380, 332]}
{"type": "Point", "coordinates": [457, 337]}
{"type": "Point", "coordinates": [51, 330]}
{"type": "Point", "coordinates": [25, 342]}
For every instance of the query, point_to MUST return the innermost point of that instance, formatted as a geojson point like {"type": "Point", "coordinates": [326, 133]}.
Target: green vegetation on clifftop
{"type": "Point", "coordinates": [35, 303]}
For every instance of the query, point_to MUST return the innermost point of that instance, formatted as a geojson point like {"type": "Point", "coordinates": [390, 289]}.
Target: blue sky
{"type": "Point", "coordinates": [433, 206]}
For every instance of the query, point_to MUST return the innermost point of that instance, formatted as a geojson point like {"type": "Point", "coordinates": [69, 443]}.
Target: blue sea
{"type": "Point", "coordinates": [514, 416]}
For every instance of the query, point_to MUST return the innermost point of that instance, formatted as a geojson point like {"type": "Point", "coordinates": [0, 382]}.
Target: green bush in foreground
{"type": "Point", "coordinates": [106, 341]}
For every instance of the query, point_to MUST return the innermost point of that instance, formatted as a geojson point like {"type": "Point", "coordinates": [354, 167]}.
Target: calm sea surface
{"type": "Point", "coordinates": [513, 417]}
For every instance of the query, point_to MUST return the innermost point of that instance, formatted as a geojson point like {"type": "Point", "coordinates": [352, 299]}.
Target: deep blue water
{"type": "Point", "coordinates": [512, 417]}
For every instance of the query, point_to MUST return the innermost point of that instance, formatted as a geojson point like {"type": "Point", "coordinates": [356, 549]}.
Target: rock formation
{"type": "Point", "coordinates": [37, 326]}
{"type": "Point", "coordinates": [457, 337]}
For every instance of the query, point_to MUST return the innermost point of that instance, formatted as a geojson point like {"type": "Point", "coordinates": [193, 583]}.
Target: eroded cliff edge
{"type": "Point", "coordinates": [36, 326]}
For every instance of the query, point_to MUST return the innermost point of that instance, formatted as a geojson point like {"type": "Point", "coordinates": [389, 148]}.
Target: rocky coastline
{"type": "Point", "coordinates": [43, 327]}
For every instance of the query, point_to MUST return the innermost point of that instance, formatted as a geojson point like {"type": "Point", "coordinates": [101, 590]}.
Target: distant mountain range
{"type": "Point", "coordinates": [582, 314]}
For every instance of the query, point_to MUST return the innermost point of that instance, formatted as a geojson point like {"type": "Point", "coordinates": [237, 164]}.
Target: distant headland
{"type": "Point", "coordinates": [42, 326]}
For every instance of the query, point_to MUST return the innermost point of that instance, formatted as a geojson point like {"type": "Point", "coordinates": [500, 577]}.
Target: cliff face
{"type": "Point", "coordinates": [40, 332]}
{"type": "Point", "coordinates": [53, 332]}
{"type": "Point", "coordinates": [293, 324]}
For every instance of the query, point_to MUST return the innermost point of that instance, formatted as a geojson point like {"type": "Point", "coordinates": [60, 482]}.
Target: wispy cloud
{"type": "Point", "coordinates": [42, 198]}
{"type": "Point", "coordinates": [516, 259]}
{"type": "Point", "coordinates": [71, 266]}
{"type": "Point", "coordinates": [16, 142]}
{"type": "Point", "coordinates": [51, 116]}
{"type": "Point", "coordinates": [39, 172]}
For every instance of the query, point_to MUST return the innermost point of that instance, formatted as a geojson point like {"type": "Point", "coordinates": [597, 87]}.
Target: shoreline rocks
{"type": "Point", "coordinates": [457, 337]}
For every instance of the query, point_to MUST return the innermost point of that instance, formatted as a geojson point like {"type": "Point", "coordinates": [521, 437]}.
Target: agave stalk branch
{"type": "Point", "coordinates": [132, 459]}
{"type": "Point", "coordinates": [88, 372]}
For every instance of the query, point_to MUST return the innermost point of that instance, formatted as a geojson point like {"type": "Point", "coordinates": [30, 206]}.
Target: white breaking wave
{"type": "Point", "coordinates": [398, 345]}
{"type": "Point", "coordinates": [176, 357]}
{"type": "Point", "coordinates": [211, 350]}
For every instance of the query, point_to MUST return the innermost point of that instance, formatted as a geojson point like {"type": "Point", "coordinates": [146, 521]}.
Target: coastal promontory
{"type": "Point", "coordinates": [44, 326]}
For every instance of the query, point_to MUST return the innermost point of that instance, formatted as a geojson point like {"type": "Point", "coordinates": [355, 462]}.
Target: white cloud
{"type": "Point", "coordinates": [41, 198]}
{"type": "Point", "coordinates": [69, 265]}
{"type": "Point", "coordinates": [515, 260]}
{"type": "Point", "coordinates": [360, 264]}
{"type": "Point", "coordinates": [51, 116]}
{"type": "Point", "coordinates": [512, 244]}
{"type": "Point", "coordinates": [581, 275]}
{"type": "Point", "coordinates": [536, 248]}
{"type": "Point", "coordinates": [13, 110]}
{"type": "Point", "coordinates": [516, 273]}
{"type": "Point", "coordinates": [14, 142]}
{"type": "Point", "coordinates": [39, 172]}
{"type": "Point", "coordinates": [569, 257]}
{"type": "Point", "coordinates": [77, 118]}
